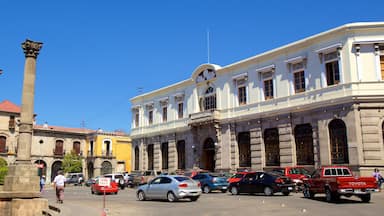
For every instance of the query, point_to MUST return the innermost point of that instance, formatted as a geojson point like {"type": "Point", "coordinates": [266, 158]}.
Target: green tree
{"type": "Point", "coordinates": [72, 163]}
{"type": "Point", "coordinates": [3, 170]}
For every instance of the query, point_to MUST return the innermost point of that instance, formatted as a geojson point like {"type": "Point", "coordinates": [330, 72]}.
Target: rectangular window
{"type": "Point", "coordinates": [332, 68]}
{"type": "Point", "coordinates": [299, 81]}
{"type": "Point", "coordinates": [382, 66]}
{"type": "Point", "coordinates": [268, 89]}
{"type": "Point", "coordinates": [150, 117]}
{"type": "Point", "coordinates": [180, 110]}
{"type": "Point", "coordinates": [164, 155]}
{"type": "Point", "coordinates": [137, 116]}
{"type": "Point", "coordinates": [242, 95]}
{"type": "Point", "coordinates": [165, 114]}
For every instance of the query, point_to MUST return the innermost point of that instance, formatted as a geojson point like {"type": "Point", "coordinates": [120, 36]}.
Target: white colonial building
{"type": "Point", "coordinates": [317, 101]}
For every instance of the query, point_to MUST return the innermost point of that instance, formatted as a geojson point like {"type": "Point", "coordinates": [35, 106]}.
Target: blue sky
{"type": "Point", "coordinates": [99, 54]}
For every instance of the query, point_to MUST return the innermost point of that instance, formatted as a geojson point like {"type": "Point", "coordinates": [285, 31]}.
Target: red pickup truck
{"type": "Point", "coordinates": [335, 181]}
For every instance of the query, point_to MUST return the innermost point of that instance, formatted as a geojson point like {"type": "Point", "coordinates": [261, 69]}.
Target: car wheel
{"type": "Point", "coordinates": [366, 198]}
{"type": "Point", "coordinates": [141, 195]}
{"type": "Point", "coordinates": [171, 197]}
{"type": "Point", "coordinates": [193, 199]}
{"type": "Point", "coordinates": [224, 191]}
{"type": "Point", "coordinates": [328, 195]}
{"type": "Point", "coordinates": [268, 191]}
{"type": "Point", "coordinates": [234, 191]}
{"type": "Point", "coordinates": [285, 193]}
{"type": "Point", "coordinates": [206, 189]}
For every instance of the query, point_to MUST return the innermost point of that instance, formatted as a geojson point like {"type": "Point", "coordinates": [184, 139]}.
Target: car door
{"type": "Point", "coordinates": [247, 184]}
{"type": "Point", "coordinates": [164, 187]}
{"type": "Point", "coordinates": [153, 188]}
{"type": "Point", "coordinates": [258, 184]}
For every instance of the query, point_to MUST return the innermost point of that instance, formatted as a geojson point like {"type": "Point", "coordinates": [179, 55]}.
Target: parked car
{"type": "Point", "coordinates": [74, 178]}
{"type": "Point", "coordinates": [236, 177]}
{"type": "Point", "coordinates": [90, 181]}
{"type": "Point", "coordinates": [129, 179]}
{"type": "Point", "coordinates": [170, 187]}
{"type": "Point", "coordinates": [148, 175]}
{"type": "Point", "coordinates": [118, 178]}
{"type": "Point", "coordinates": [335, 181]}
{"type": "Point", "coordinates": [297, 174]}
{"type": "Point", "coordinates": [262, 182]}
{"type": "Point", "coordinates": [210, 182]}
{"type": "Point", "coordinates": [113, 188]}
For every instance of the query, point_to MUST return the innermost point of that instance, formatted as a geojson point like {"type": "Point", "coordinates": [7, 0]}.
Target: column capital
{"type": "Point", "coordinates": [31, 48]}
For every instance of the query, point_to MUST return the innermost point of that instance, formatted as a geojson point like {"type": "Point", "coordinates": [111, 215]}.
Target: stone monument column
{"type": "Point", "coordinates": [21, 191]}
{"type": "Point", "coordinates": [31, 50]}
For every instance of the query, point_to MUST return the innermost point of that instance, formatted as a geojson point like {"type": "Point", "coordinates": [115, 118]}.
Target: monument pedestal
{"type": "Point", "coordinates": [21, 192]}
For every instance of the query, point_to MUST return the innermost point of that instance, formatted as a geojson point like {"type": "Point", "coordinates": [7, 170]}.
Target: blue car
{"type": "Point", "coordinates": [210, 182]}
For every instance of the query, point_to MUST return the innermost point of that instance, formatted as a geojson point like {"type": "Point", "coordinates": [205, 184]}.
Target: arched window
{"type": "Point", "coordinates": [76, 147]}
{"type": "Point", "coordinates": [3, 144]}
{"type": "Point", "coordinates": [244, 142]}
{"type": "Point", "coordinates": [164, 155]}
{"type": "Point", "coordinates": [150, 156]}
{"type": "Point", "coordinates": [137, 158]}
{"type": "Point", "coordinates": [338, 140]}
{"type": "Point", "coordinates": [304, 144]}
{"type": "Point", "coordinates": [181, 154]}
{"type": "Point", "coordinates": [106, 168]}
{"type": "Point", "coordinates": [59, 147]}
{"type": "Point", "coordinates": [210, 99]}
{"type": "Point", "coordinates": [272, 148]}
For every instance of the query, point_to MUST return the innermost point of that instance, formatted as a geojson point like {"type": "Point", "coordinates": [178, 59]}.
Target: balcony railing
{"type": "Point", "coordinates": [209, 116]}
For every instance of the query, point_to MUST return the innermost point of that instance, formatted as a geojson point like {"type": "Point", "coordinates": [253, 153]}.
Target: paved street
{"type": "Point", "coordinates": [79, 201]}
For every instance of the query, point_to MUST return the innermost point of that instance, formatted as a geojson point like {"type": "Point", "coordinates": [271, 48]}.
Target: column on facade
{"type": "Point", "coordinates": [316, 143]}
{"type": "Point", "coordinates": [257, 148]}
{"type": "Point", "coordinates": [286, 144]}
{"type": "Point", "coordinates": [143, 163]}
{"type": "Point", "coordinates": [157, 155]}
{"type": "Point", "coordinates": [233, 146]}
{"type": "Point", "coordinates": [172, 153]}
{"type": "Point", "coordinates": [218, 146]}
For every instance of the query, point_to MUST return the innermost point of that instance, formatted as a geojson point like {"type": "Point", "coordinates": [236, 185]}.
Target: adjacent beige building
{"type": "Point", "coordinates": [317, 101]}
{"type": "Point", "coordinates": [51, 143]}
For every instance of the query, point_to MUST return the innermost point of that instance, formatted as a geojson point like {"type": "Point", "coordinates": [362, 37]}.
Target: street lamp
{"type": "Point", "coordinates": [1, 71]}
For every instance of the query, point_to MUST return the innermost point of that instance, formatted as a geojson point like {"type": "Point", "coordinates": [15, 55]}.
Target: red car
{"type": "Point", "coordinates": [296, 174]}
{"type": "Point", "coordinates": [113, 188]}
{"type": "Point", "coordinates": [237, 177]}
{"type": "Point", "coordinates": [336, 181]}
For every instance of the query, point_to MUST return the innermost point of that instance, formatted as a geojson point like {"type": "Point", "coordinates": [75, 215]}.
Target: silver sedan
{"type": "Point", "coordinates": [171, 188]}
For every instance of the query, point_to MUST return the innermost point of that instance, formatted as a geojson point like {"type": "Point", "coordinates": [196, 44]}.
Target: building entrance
{"type": "Point", "coordinates": [208, 156]}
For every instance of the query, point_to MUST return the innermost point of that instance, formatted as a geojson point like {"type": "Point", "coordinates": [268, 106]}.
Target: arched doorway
{"type": "Point", "coordinates": [338, 140]}
{"type": "Point", "coordinates": [41, 167]}
{"type": "Point", "coordinates": [90, 170]}
{"type": "Point", "coordinates": [56, 166]}
{"type": "Point", "coordinates": [137, 158]}
{"type": "Point", "coordinates": [106, 168]}
{"type": "Point", "coordinates": [244, 143]}
{"type": "Point", "coordinates": [208, 156]}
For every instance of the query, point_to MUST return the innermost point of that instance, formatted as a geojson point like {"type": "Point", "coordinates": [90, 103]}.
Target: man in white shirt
{"type": "Point", "coordinates": [58, 184]}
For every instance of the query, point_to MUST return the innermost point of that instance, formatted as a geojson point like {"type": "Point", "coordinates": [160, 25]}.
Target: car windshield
{"type": "Point", "coordinates": [301, 171]}
{"type": "Point", "coordinates": [182, 178]}
{"type": "Point", "coordinates": [238, 175]}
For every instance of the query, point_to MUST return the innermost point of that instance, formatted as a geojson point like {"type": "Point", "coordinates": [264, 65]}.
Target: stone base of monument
{"type": "Point", "coordinates": [20, 194]}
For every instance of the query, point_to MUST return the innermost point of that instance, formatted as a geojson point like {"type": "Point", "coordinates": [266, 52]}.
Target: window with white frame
{"type": "Point", "coordinates": [298, 77]}
{"type": "Point", "coordinates": [330, 58]}
{"type": "Point", "coordinates": [137, 118]}
{"type": "Point", "coordinates": [267, 82]}
{"type": "Point", "coordinates": [332, 71]}
{"type": "Point", "coordinates": [240, 82]}
{"type": "Point", "coordinates": [165, 112]}
{"type": "Point", "coordinates": [150, 117]}
{"type": "Point", "coordinates": [180, 110]}
{"type": "Point", "coordinates": [210, 99]}
{"type": "Point", "coordinates": [381, 53]}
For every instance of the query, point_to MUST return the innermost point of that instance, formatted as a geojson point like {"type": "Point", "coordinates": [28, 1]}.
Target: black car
{"type": "Point", "coordinates": [262, 182]}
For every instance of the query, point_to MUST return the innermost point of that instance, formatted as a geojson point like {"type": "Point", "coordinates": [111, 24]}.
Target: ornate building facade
{"type": "Point", "coordinates": [51, 143]}
{"type": "Point", "coordinates": [314, 102]}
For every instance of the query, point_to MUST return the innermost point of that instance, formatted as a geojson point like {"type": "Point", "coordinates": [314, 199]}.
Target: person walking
{"type": "Point", "coordinates": [42, 183]}
{"type": "Point", "coordinates": [379, 178]}
{"type": "Point", "coordinates": [58, 184]}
